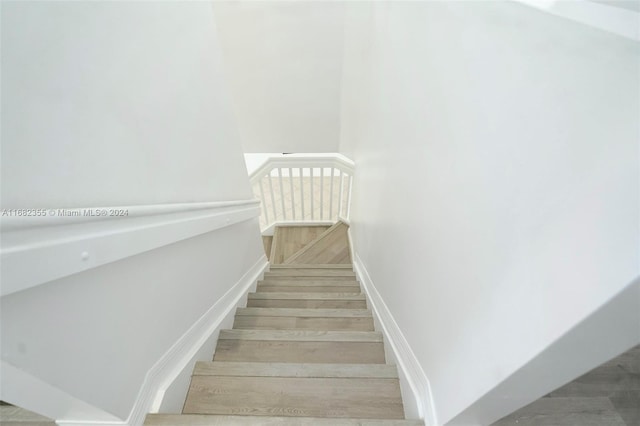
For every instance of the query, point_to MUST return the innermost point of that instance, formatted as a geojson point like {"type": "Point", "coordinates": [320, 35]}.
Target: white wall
{"type": "Point", "coordinates": [496, 196]}
{"type": "Point", "coordinates": [608, 332]}
{"type": "Point", "coordinates": [284, 61]}
{"type": "Point", "coordinates": [96, 334]}
{"type": "Point", "coordinates": [115, 103]}
{"type": "Point", "coordinates": [624, 4]}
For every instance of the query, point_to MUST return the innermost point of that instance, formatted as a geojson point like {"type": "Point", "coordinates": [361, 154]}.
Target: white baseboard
{"type": "Point", "coordinates": [409, 368]}
{"type": "Point", "coordinates": [164, 372]}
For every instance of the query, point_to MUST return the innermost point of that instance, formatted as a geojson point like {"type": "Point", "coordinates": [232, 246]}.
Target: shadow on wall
{"type": "Point", "coordinates": [608, 395]}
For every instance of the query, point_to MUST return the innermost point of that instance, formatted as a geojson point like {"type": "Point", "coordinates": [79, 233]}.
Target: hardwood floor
{"type": "Point", "coordinates": [11, 415]}
{"type": "Point", "coordinates": [330, 247]}
{"type": "Point", "coordinates": [309, 287]}
{"type": "Point", "coordinates": [303, 319]}
{"type": "Point", "coordinates": [296, 396]}
{"type": "Point", "coordinates": [609, 395]}
{"type": "Point", "coordinates": [300, 351]}
{"type": "Point", "coordinates": [288, 240]}
{"type": "Point", "coordinates": [205, 420]}
{"type": "Point", "coordinates": [307, 300]}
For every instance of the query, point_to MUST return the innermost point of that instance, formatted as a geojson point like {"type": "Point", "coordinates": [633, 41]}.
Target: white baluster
{"type": "Point", "coordinates": [321, 193]}
{"type": "Point", "coordinates": [312, 193]}
{"type": "Point", "coordinates": [331, 195]}
{"type": "Point", "coordinates": [341, 193]}
{"type": "Point", "coordinates": [350, 186]}
{"type": "Point", "coordinates": [301, 193]}
{"type": "Point", "coordinates": [264, 205]}
{"type": "Point", "coordinates": [293, 204]}
{"type": "Point", "coordinates": [273, 198]}
{"type": "Point", "coordinates": [284, 212]}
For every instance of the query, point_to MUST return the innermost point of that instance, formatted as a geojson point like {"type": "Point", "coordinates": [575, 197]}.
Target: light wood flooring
{"type": "Point", "coordinates": [303, 352]}
{"type": "Point", "coordinates": [308, 245]}
{"type": "Point", "coordinates": [288, 240]}
{"type": "Point", "coordinates": [606, 396]}
{"type": "Point", "coordinates": [11, 415]}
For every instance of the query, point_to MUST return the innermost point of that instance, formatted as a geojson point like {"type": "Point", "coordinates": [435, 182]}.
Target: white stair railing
{"type": "Point", "coordinates": [302, 188]}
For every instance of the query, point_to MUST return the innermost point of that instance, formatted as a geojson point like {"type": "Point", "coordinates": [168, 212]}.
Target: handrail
{"type": "Point", "coordinates": [302, 160]}
{"type": "Point", "coordinates": [30, 218]}
{"type": "Point", "coordinates": [299, 193]}
{"type": "Point", "coordinates": [75, 240]}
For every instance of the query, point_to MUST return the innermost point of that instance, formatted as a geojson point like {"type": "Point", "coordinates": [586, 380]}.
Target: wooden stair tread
{"type": "Point", "coordinates": [310, 272]}
{"type": "Point", "coordinates": [308, 283]}
{"type": "Point", "coordinates": [308, 313]}
{"type": "Point", "coordinates": [308, 287]}
{"type": "Point", "coordinates": [275, 369]}
{"type": "Point", "coordinates": [304, 350]}
{"type": "Point", "coordinates": [258, 318]}
{"type": "Point", "coordinates": [308, 303]}
{"type": "Point", "coordinates": [295, 396]}
{"type": "Point", "coordinates": [308, 300]}
{"type": "Point", "coordinates": [302, 335]}
{"type": "Point", "coordinates": [309, 280]}
{"type": "Point", "coordinates": [26, 423]}
{"type": "Point", "coordinates": [300, 351]}
{"type": "Point", "coordinates": [300, 346]}
{"type": "Point", "coordinates": [312, 289]}
{"type": "Point", "coordinates": [312, 266]}
{"type": "Point", "coordinates": [303, 323]}
{"type": "Point", "coordinates": [308, 296]}
{"type": "Point", "coordinates": [223, 420]}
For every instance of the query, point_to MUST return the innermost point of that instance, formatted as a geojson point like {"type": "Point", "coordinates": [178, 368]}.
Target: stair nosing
{"type": "Point", "coordinates": [306, 296]}
{"type": "Point", "coordinates": [244, 420]}
{"type": "Point", "coordinates": [319, 283]}
{"type": "Point", "coordinates": [304, 312]}
{"type": "Point", "coordinates": [293, 370]}
{"type": "Point", "coordinates": [312, 266]}
{"type": "Point", "coordinates": [306, 272]}
{"type": "Point", "coordinates": [301, 335]}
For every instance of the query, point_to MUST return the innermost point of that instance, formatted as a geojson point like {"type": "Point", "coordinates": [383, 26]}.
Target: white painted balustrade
{"type": "Point", "coordinates": [303, 189]}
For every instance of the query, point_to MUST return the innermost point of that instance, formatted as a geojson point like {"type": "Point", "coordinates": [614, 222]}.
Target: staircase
{"type": "Point", "coordinates": [303, 351]}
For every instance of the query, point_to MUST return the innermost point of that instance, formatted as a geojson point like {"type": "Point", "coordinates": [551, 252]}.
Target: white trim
{"type": "Point", "coordinates": [302, 160]}
{"type": "Point", "coordinates": [164, 372]}
{"type": "Point", "coordinates": [61, 247]}
{"type": "Point", "coordinates": [408, 364]}
{"type": "Point", "coordinates": [352, 253]}
{"type": "Point", "coordinates": [616, 20]}
{"type": "Point", "coordinates": [70, 216]}
{"type": "Point", "coordinates": [268, 231]}
{"type": "Point", "coordinates": [344, 219]}
{"type": "Point", "coordinates": [304, 163]}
